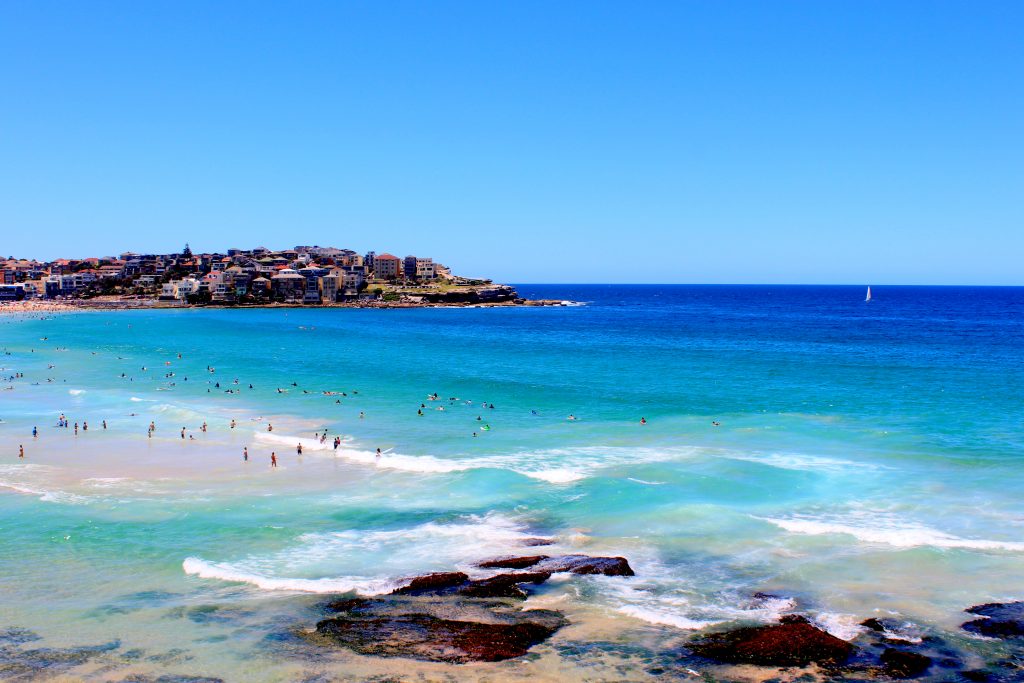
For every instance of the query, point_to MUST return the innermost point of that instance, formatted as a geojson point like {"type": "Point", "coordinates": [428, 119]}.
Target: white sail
{"type": "Point", "coordinates": [868, 297]}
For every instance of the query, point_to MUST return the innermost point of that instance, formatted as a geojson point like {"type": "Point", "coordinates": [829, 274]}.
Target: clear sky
{"type": "Point", "coordinates": [819, 142]}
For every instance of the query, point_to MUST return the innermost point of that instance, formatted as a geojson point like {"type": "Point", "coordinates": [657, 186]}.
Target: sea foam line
{"type": "Point", "coordinates": [907, 536]}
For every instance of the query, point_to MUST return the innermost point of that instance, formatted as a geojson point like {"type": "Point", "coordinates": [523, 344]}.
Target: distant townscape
{"type": "Point", "coordinates": [303, 275]}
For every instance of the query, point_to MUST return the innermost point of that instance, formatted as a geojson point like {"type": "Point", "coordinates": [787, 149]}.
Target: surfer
{"type": "Point", "coordinates": [643, 420]}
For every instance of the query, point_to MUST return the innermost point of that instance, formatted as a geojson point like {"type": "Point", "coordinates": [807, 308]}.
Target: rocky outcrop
{"type": "Point", "coordinates": [422, 636]}
{"type": "Point", "coordinates": [903, 664]}
{"type": "Point", "coordinates": [999, 620]}
{"type": "Point", "coordinates": [447, 617]}
{"type": "Point", "coordinates": [432, 583]}
{"type": "Point", "coordinates": [584, 564]}
{"type": "Point", "coordinates": [792, 642]}
{"type": "Point", "coordinates": [512, 562]}
{"type": "Point", "coordinates": [503, 585]}
{"type": "Point", "coordinates": [575, 564]}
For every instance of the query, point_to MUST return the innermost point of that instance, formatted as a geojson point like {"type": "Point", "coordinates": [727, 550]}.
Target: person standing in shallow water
{"type": "Point", "coordinates": [273, 459]}
{"type": "Point", "coordinates": [245, 453]}
{"type": "Point", "coordinates": [21, 451]}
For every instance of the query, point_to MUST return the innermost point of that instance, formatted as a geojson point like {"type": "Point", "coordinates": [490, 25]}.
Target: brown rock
{"type": "Point", "coordinates": [512, 562]}
{"type": "Point", "coordinates": [903, 664]}
{"type": "Point", "coordinates": [1000, 620]}
{"type": "Point", "coordinates": [585, 564]}
{"type": "Point", "coordinates": [793, 643]}
{"type": "Point", "coordinates": [432, 582]}
{"type": "Point", "coordinates": [503, 585]}
{"type": "Point", "coordinates": [422, 636]}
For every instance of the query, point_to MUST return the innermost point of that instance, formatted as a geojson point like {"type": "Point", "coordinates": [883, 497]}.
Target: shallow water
{"type": "Point", "coordinates": [867, 462]}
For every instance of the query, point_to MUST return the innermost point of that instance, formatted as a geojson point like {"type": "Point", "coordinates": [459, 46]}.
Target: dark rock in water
{"type": "Point", "coordinates": [903, 664]}
{"type": "Point", "coordinates": [1002, 620]}
{"type": "Point", "coordinates": [503, 585]}
{"type": "Point", "coordinates": [433, 582]}
{"type": "Point", "coordinates": [874, 624]}
{"type": "Point", "coordinates": [537, 541]}
{"type": "Point", "coordinates": [794, 642]}
{"type": "Point", "coordinates": [345, 605]}
{"type": "Point", "coordinates": [512, 562]}
{"type": "Point", "coordinates": [422, 636]}
{"type": "Point", "coordinates": [18, 636]}
{"type": "Point", "coordinates": [793, 619]}
{"type": "Point", "coordinates": [585, 564]}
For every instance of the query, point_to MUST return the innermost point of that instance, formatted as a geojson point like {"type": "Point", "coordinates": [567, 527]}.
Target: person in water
{"type": "Point", "coordinates": [104, 424]}
{"type": "Point", "coordinates": [298, 449]}
{"type": "Point", "coordinates": [378, 452]}
{"type": "Point", "coordinates": [35, 433]}
{"type": "Point", "coordinates": [21, 451]}
{"type": "Point", "coordinates": [273, 459]}
{"type": "Point", "coordinates": [643, 420]}
{"type": "Point", "coordinates": [245, 453]}
{"type": "Point", "coordinates": [270, 427]}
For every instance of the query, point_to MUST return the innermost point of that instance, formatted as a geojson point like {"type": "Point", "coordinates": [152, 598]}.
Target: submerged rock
{"type": "Point", "coordinates": [433, 582]}
{"type": "Point", "coordinates": [585, 564]}
{"type": "Point", "coordinates": [503, 585]}
{"type": "Point", "coordinates": [903, 664]}
{"type": "Point", "coordinates": [792, 642]}
{"type": "Point", "coordinates": [1000, 620]}
{"type": "Point", "coordinates": [423, 636]}
{"type": "Point", "coordinates": [512, 562]}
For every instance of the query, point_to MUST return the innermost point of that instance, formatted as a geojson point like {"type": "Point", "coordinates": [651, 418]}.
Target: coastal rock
{"type": "Point", "coordinates": [423, 636]}
{"type": "Point", "coordinates": [585, 564]}
{"type": "Point", "coordinates": [432, 582]}
{"type": "Point", "coordinates": [503, 585]}
{"type": "Point", "coordinates": [903, 664]}
{"type": "Point", "coordinates": [792, 642]}
{"type": "Point", "coordinates": [1000, 620]}
{"type": "Point", "coordinates": [512, 562]}
{"type": "Point", "coordinates": [537, 541]}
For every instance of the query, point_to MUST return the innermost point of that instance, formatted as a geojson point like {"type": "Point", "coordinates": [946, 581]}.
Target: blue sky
{"type": "Point", "coordinates": [859, 142]}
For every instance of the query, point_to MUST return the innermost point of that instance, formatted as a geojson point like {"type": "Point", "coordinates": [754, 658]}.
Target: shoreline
{"type": "Point", "coordinates": [53, 306]}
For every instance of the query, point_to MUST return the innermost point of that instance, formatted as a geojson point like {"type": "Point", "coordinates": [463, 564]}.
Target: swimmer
{"type": "Point", "coordinates": [378, 452]}
{"type": "Point", "coordinates": [273, 459]}
{"type": "Point", "coordinates": [104, 424]}
{"type": "Point", "coordinates": [21, 451]}
{"type": "Point", "coordinates": [270, 427]}
{"type": "Point", "coordinates": [35, 433]}
{"type": "Point", "coordinates": [183, 432]}
{"type": "Point", "coordinates": [362, 415]}
{"type": "Point", "coordinates": [571, 417]}
{"type": "Point", "coordinates": [298, 449]}
{"type": "Point", "coordinates": [245, 453]}
{"type": "Point", "coordinates": [232, 424]}
{"type": "Point", "coordinates": [643, 420]}
{"type": "Point", "coordinates": [715, 423]}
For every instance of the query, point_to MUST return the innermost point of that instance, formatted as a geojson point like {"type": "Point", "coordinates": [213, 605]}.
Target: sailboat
{"type": "Point", "coordinates": [868, 297]}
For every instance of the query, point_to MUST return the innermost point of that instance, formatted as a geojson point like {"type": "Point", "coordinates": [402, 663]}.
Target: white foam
{"type": "Point", "coordinates": [357, 560]}
{"type": "Point", "coordinates": [842, 626]}
{"type": "Point", "coordinates": [293, 441]}
{"type": "Point", "coordinates": [226, 572]}
{"type": "Point", "coordinates": [554, 476]}
{"type": "Point", "coordinates": [648, 483]}
{"type": "Point", "coordinates": [804, 462]}
{"type": "Point", "coordinates": [76, 392]}
{"type": "Point", "coordinates": [889, 533]}
{"type": "Point", "coordinates": [663, 618]}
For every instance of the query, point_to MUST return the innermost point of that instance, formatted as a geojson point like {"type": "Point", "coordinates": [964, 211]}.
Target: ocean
{"type": "Point", "coordinates": [852, 459]}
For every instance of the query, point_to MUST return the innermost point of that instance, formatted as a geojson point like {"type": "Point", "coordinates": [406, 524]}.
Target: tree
{"type": "Point", "coordinates": [186, 252]}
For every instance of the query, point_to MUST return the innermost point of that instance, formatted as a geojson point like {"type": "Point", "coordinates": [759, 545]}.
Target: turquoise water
{"type": "Point", "coordinates": [866, 461]}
